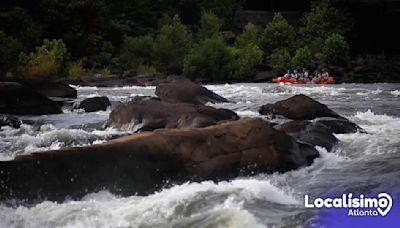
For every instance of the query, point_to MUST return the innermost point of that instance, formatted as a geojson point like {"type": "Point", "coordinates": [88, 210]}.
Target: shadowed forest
{"type": "Point", "coordinates": [205, 40]}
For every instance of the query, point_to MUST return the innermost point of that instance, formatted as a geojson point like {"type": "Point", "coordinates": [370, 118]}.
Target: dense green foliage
{"type": "Point", "coordinates": [248, 53]}
{"type": "Point", "coordinates": [164, 52]}
{"type": "Point", "coordinates": [281, 59]}
{"type": "Point", "coordinates": [171, 46]}
{"type": "Point", "coordinates": [210, 59]}
{"type": "Point", "coordinates": [246, 59]}
{"type": "Point", "coordinates": [324, 20]}
{"type": "Point", "coordinates": [135, 51]}
{"type": "Point", "coordinates": [277, 34]}
{"type": "Point", "coordinates": [210, 26]}
{"type": "Point", "coordinates": [208, 39]}
{"type": "Point", "coordinates": [336, 50]}
{"type": "Point", "coordinates": [48, 61]}
{"type": "Point", "coordinates": [302, 58]}
{"type": "Point", "coordinates": [10, 49]}
{"type": "Point", "coordinates": [248, 36]}
{"type": "Point", "coordinates": [227, 11]}
{"type": "Point", "coordinates": [76, 71]}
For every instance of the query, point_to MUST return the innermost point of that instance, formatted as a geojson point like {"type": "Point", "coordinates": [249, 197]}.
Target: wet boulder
{"type": "Point", "coordinates": [51, 89]}
{"type": "Point", "coordinates": [298, 107]}
{"type": "Point", "coordinates": [312, 133]}
{"type": "Point", "coordinates": [187, 92]}
{"type": "Point", "coordinates": [94, 104]}
{"type": "Point", "coordinates": [142, 163]}
{"type": "Point", "coordinates": [148, 114]}
{"type": "Point", "coordinates": [16, 99]}
{"type": "Point", "coordinates": [340, 126]}
{"type": "Point", "coordinates": [11, 121]}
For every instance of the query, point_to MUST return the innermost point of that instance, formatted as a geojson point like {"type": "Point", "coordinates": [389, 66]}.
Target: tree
{"type": "Point", "coordinates": [281, 59]}
{"type": "Point", "coordinates": [324, 20]}
{"type": "Point", "coordinates": [336, 50]}
{"type": "Point", "coordinates": [49, 61]}
{"type": "Point", "coordinates": [9, 52]}
{"type": "Point", "coordinates": [135, 51]}
{"type": "Point", "coordinates": [210, 26]}
{"type": "Point", "coordinates": [277, 34]}
{"type": "Point", "coordinates": [248, 36]}
{"type": "Point", "coordinates": [19, 24]}
{"type": "Point", "coordinates": [316, 46]}
{"type": "Point", "coordinates": [302, 58]}
{"type": "Point", "coordinates": [246, 58]}
{"type": "Point", "coordinates": [210, 59]}
{"type": "Point", "coordinates": [171, 46]}
{"type": "Point", "coordinates": [227, 10]}
{"type": "Point", "coordinates": [82, 24]}
{"type": "Point", "coordinates": [248, 54]}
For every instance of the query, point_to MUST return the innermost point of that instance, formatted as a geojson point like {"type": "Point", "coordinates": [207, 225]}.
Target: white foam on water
{"type": "Point", "coordinates": [297, 181]}
{"type": "Point", "coordinates": [70, 118]}
{"type": "Point", "coordinates": [268, 92]}
{"type": "Point", "coordinates": [90, 95]}
{"type": "Point", "coordinates": [395, 93]}
{"type": "Point", "coordinates": [231, 91]}
{"type": "Point", "coordinates": [112, 97]}
{"type": "Point", "coordinates": [383, 135]}
{"type": "Point", "coordinates": [314, 90]}
{"type": "Point", "coordinates": [359, 158]}
{"type": "Point", "coordinates": [26, 139]}
{"type": "Point", "coordinates": [248, 113]}
{"type": "Point", "coordinates": [115, 93]}
{"type": "Point", "coordinates": [202, 204]}
{"type": "Point", "coordinates": [79, 88]}
{"type": "Point", "coordinates": [370, 92]}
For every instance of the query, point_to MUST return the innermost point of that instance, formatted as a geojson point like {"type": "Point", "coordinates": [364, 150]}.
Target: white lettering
{"type": "Point", "coordinates": [374, 205]}
{"type": "Point", "coordinates": [306, 203]}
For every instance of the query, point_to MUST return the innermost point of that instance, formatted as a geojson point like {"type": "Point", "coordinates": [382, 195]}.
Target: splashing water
{"type": "Point", "coordinates": [360, 163]}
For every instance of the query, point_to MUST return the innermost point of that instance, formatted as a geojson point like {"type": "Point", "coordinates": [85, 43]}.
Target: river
{"type": "Point", "coordinates": [360, 163]}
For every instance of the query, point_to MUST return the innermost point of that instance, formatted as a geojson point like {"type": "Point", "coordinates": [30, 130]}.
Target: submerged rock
{"type": "Point", "coordinates": [94, 104]}
{"type": "Point", "coordinates": [298, 107]}
{"type": "Point", "coordinates": [340, 126]}
{"type": "Point", "coordinates": [187, 92]}
{"type": "Point", "coordinates": [150, 114]}
{"type": "Point", "coordinates": [142, 163]}
{"type": "Point", "coordinates": [313, 133]}
{"type": "Point", "coordinates": [16, 99]}
{"type": "Point", "coordinates": [11, 121]}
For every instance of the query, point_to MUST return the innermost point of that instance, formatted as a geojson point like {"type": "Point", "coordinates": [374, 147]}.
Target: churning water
{"type": "Point", "coordinates": [361, 163]}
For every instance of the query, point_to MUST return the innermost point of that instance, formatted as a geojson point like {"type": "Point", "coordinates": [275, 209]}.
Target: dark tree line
{"type": "Point", "coordinates": [94, 29]}
{"type": "Point", "coordinates": [48, 39]}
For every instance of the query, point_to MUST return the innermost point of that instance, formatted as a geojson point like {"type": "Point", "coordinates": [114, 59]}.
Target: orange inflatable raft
{"type": "Point", "coordinates": [330, 80]}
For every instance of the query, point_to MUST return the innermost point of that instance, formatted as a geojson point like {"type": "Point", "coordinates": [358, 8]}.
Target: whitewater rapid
{"type": "Point", "coordinates": [363, 163]}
